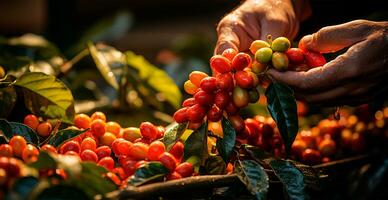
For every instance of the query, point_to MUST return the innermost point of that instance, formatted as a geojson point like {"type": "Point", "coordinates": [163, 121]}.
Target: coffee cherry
{"type": "Point", "coordinates": [196, 77]}
{"type": "Point", "coordinates": [254, 95]}
{"type": "Point", "coordinates": [44, 129]}
{"type": "Point", "coordinates": [189, 87]}
{"type": "Point", "coordinates": [161, 131]}
{"type": "Point", "coordinates": [31, 121]}
{"type": "Point", "coordinates": [177, 150]}
{"type": "Point", "coordinates": [258, 68]}
{"type": "Point", "coordinates": [6, 150]}
{"type": "Point", "coordinates": [103, 151]}
{"type": "Point", "coordinates": [281, 44]}
{"type": "Point", "coordinates": [243, 79]}
{"type": "Point", "coordinates": [231, 108]}
{"type": "Point", "coordinates": [138, 151]}
{"type": "Point", "coordinates": [241, 61]}
{"type": "Point", "coordinates": [70, 146]}
{"type": "Point", "coordinates": [173, 176]}
{"type": "Point", "coordinates": [107, 162]}
{"type": "Point", "coordinates": [30, 153]}
{"type": "Point", "coordinates": [188, 102]}
{"type": "Point", "coordinates": [148, 130]}
{"type": "Point", "coordinates": [225, 82]}
{"type": "Point", "coordinates": [280, 61]}
{"type": "Point", "coordinates": [97, 127]}
{"type": "Point", "coordinates": [155, 149]}
{"type": "Point", "coordinates": [49, 148]}
{"type": "Point", "coordinates": [298, 147]}
{"type": "Point", "coordinates": [18, 143]}
{"type": "Point", "coordinates": [89, 155]}
{"type": "Point", "coordinates": [82, 121]}
{"type": "Point", "coordinates": [311, 156]}
{"type": "Point", "coordinates": [220, 64]}
{"type": "Point", "coordinates": [131, 133]}
{"type": "Point", "coordinates": [185, 169]}
{"type": "Point", "coordinates": [263, 55]}
{"type": "Point", "coordinates": [258, 44]}
{"type": "Point", "coordinates": [221, 99]}
{"type": "Point", "coordinates": [229, 53]}
{"type": "Point", "coordinates": [196, 113]}
{"type": "Point", "coordinates": [204, 98]}
{"type": "Point", "coordinates": [11, 166]}
{"type": "Point", "coordinates": [209, 84]}
{"type": "Point", "coordinates": [254, 128]}
{"type": "Point", "coordinates": [180, 116]}
{"type": "Point", "coordinates": [107, 138]}
{"type": "Point", "coordinates": [237, 123]}
{"type": "Point", "coordinates": [240, 97]}
{"type": "Point", "coordinates": [121, 147]}
{"type": "Point", "coordinates": [2, 72]}
{"type": "Point", "coordinates": [113, 127]}
{"type": "Point", "coordinates": [214, 114]}
{"type": "Point", "coordinates": [168, 161]}
{"type": "Point", "coordinates": [295, 55]}
{"type": "Point", "coordinates": [327, 147]}
{"type": "Point", "coordinates": [255, 79]}
{"type": "Point", "coordinates": [98, 115]}
{"type": "Point", "coordinates": [314, 59]}
{"type": "Point", "coordinates": [88, 143]}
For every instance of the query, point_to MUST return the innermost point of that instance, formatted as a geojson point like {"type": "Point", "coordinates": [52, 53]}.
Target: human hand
{"type": "Point", "coordinates": [255, 19]}
{"type": "Point", "coordinates": [355, 77]}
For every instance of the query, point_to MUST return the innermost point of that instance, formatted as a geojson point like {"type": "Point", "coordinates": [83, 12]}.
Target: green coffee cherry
{"type": "Point", "coordinates": [263, 55]}
{"type": "Point", "coordinates": [240, 97]}
{"type": "Point", "coordinates": [280, 44]}
{"type": "Point", "coordinates": [280, 61]}
{"type": "Point", "coordinates": [254, 95]}
{"type": "Point", "coordinates": [258, 44]}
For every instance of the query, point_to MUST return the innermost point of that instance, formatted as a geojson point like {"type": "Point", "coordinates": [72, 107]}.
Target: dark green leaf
{"type": "Point", "coordinates": [15, 65]}
{"type": "Point", "coordinates": [196, 144]}
{"type": "Point", "coordinates": [22, 188]}
{"type": "Point", "coordinates": [64, 135]}
{"type": "Point", "coordinates": [291, 178]}
{"type": "Point", "coordinates": [253, 176]}
{"type": "Point", "coordinates": [45, 161]}
{"type": "Point", "coordinates": [10, 129]}
{"type": "Point", "coordinates": [148, 172]}
{"type": "Point", "coordinates": [156, 78]}
{"type": "Point", "coordinates": [225, 145]}
{"type": "Point", "coordinates": [46, 96]}
{"type": "Point", "coordinates": [7, 100]}
{"type": "Point", "coordinates": [282, 106]}
{"type": "Point", "coordinates": [62, 191]}
{"type": "Point", "coordinates": [103, 65]}
{"type": "Point", "coordinates": [257, 154]}
{"type": "Point", "coordinates": [172, 135]}
{"type": "Point", "coordinates": [214, 165]}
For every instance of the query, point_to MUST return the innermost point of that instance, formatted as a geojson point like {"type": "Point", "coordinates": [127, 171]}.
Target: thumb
{"type": "Point", "coordinates": [334, 38]}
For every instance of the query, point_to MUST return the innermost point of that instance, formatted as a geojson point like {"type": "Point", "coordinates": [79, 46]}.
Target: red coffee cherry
{"type": "Point", "coordinates": [314, 59]}
{"type": "Point", "coordinates": [155, 149]}
{"type": "Point", "coordinates": [221, 99]}
{"type": "Point", "coordinates": [185, 169]}
{"type": "Point", "coordinates": [32, 121]}
{"type": "Point", "coordinates": [168, 161]}
{"type": "Point", "coordinates": [295, 55]}
{"type": "Point", "coordinates": [180, 116]}
{"type": "Point", "coordinates": [214, 114]}
{"type": "Point", "coordinates": [225, 82]}
{"type": "Point", "coordinates": [204, 98]}
{"type": "Point", "coordinates": [89, 155]}
{"type": "Point", "coordinates": [220, 64]}
{"type": "Point", "coordinates": [196, 113]}
{"type": "Point", "coordinates": [148, 130]}
{"type": "Point", "coordinates": [177, 150]}
{"type": "Point", "coordinates": [188, 102]}
{"type": "Point", "coordinates": [209, 84]}
{"type": "Point", "coordinates": [82, 121]}
{"type": "Point", "coordinates": [229, 54]}
{"type": "Point", "coordinates": [243, 79]}
{"type": "Point", "coordinates": [98, 115]}
{"type": "Point", "coordinates": [241, 61]}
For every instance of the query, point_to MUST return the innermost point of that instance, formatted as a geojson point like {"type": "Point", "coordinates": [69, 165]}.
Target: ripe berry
{"type": "Point", "coordinates": [107, 138]}
{"type": "Point", "coordinates": [138, 151]}
{"type": "Point", "coordinates": [113, 177]}
{"type": "Point", "coordinates": [131, 133]}
{"type": "Point", "coordinates": [98, 127]}
{"type": "Point", "coordinates": [254, 128]}
{"type": "Point", "coordinates": [311, 156]}
{"type": "Point", "coordinates": [107, 162]}
{"type": "Point", "coordinates": [196, 113]}
{"type": "Point", "coordinates": [177, 150]}
{"type": "Point", "coordinates": [208, 84]}
{"type": "Point", "coordinates": [103, 151]}
{"type": "Point", "coordinates": [185, 169]}
{"type": "Point", "coordinates": [257, 44]}
{"type": "Point", "coordinates": [194, 126]}
{"type": "Point", "coordinates": [327, 147]}
{"type": "Point", "coordinates": [229, 53]}
{"type": "Point", "coordinates": [280, 61]}
{"type": "Point", "coordinates": [225, 82]}
{"type": "Point", "coordinates": [280, 44]}
{"type": "Point", "coordinates": [89, 155]}
{"type": "Point", "coordinates": [173, 176]}
{"type": "Point", "coordinates": [263, 55]}
{"type": "Point", "coordinates": [44, 129]}
{"type": "Point", "coordinates": [231, 108]}
{"type": "Point", "coordinates": [204, 98]}
{"type": "Point", "coordinates": [188, 102]}
{"type": "Point", "coordinates": [113, 127]}
{"type": "Point", "coordinates": [237, 123]}
{"type": "Point", "coordinates": [196, 77]}
{"type": "Point", "coordinates": [161, 131]}
{"type": "Point", "coordinates": [155, 149]}
{"type": "Point", "coordinates": [189, 87]}
{"type": "Point", "coordinates": [241, 61]}
{"type": "Point", "coordinates": [82, 121]}
{"type": "Point", "coordinates": [121, 147]}
{"type": "Point", "coordinates": [314, 59]}
{"type": "Point", "coordinates": [32, 121]}
{"type": "Point", "coordinates": [258, 68]}
{"type": "Point", "coordinates": [18, 143]}
{"type": "Point", "coordinates": [214, 114]}
{"type": "Point", "coordinates": [88, 143]}
{"type": "Point", "coordinates": [168, 161]}
{"type": "Point", "coordinates": [295, 55]}
{"type": "Point", "coordinates": [220, 64]}
{"type": "Point", "coordinates": [298, 147]}
{"type": "Point", "coordinates": [148, 130]}
{"type": "Point", "coordinates": [30, 154]}
{"type": "Point", "coordinates": [6, 150]}
{"type": "Point", "coordinates": [243, 79]}
{"type": "Point", "coordinates": [70, 146]}
{"type": "Point", "coordinates": [221, 99]}
{"type": "Point", "coordinates": [49, 148]}
{"type": "Point", "coordinates": [180, 116]}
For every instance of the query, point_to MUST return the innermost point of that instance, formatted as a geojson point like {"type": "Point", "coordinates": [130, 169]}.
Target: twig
{"type": "Point", "coordinates": [69, 64]}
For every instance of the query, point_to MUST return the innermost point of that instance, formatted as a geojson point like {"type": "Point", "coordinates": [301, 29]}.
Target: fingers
{"type": "Point", "coordinates": [227, 38]}
{"type": "Point", "coordinates": [334, 38]}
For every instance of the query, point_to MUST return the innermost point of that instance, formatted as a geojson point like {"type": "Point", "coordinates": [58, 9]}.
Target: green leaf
{"type": "Point", "coordinates": [291, 178]}
{"type": "Point", "coordinates": [62, 191]}
{"type": "Point", "coordinates": [172, 134]}
{"type": "Point", "coordinates": [196, 144]}
{"type": "Point", "coordinates": [253, 176]}
{"type": "Point", "coordinates": [8, 99]}
{"type": "Point", "coordinates": [148, 172]}
{"type": "Point", "coordinates": [46, 96]}
{"type": "Point", "coordinates": [282, 106]}
{"type": "Point", "coordinates": [103, 65]}
{"type": "Point", "coordinates": [156, 78]}
{"type": "Point", "coordinates": [64, 135]}
{"type": "Point", "coordinates": [214, 165]}
{"type": "Point", "coordinates": [225, 145]}
{"type": "Point", "coordinates": [45, 161]}
{"type": "Point", "coordinates": [257, 154]}
{"type": "Point", "coordinates": [10, 129]}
